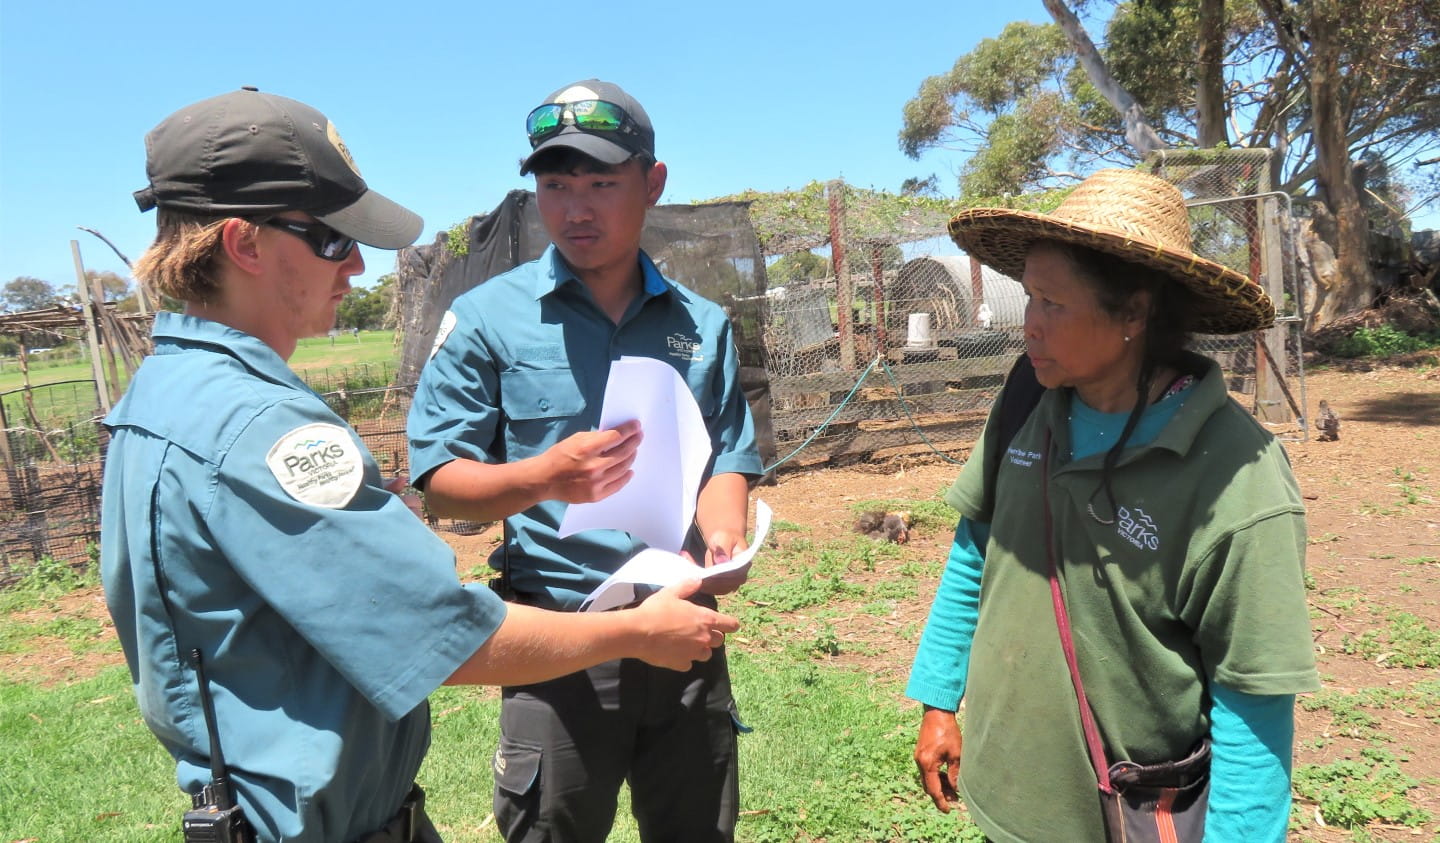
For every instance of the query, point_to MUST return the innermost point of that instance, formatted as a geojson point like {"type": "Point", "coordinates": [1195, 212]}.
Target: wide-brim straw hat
{"type": "Point", "coordinates": [1137, 217]}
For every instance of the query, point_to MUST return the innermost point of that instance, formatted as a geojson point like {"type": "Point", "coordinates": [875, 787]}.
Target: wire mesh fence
{"type": "Point", "coordinates": [903, 350]}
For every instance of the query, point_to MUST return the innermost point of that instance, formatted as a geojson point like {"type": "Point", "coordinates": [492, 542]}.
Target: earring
{"type": "Point", "coordinates": [1127, 339]}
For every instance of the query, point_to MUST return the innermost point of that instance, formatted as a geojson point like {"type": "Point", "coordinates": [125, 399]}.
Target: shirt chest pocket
{"type": "Point", "coordinates": [541, 406]}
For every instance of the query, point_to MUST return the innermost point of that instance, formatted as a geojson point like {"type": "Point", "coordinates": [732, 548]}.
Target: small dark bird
{"type": "Point", "coordinates": [1328, 423]}
{"type": "Point", "coordinates": [890, 526]}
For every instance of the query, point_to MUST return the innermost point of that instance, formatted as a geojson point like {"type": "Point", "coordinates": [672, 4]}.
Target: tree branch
{"type": "Point", "coordinates": [1137, 129]}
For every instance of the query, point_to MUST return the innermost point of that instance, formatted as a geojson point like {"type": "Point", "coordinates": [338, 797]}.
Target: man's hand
{"type": "Point", "coordinates": [937, 754]}
{"type": "Point", "coordinates": [591, 466]}
{"type": "Point", "coordinates": [679, 632]}
{"type": "Point", "coordinates": [720, 546]}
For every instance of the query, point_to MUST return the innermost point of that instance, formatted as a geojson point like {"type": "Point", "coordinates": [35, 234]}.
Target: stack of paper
{"type": "Point", "coordinates": [658, 503]}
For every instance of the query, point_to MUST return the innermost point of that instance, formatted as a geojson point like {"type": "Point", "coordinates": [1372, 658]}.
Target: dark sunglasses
{"type": "Point", "coordinates": [586, 115]}
{"type": "Point", "coordinates": [327, 243]}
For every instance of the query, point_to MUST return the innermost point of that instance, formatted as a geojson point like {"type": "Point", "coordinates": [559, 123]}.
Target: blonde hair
{"type": "Point", "coordinates": [182, 263]}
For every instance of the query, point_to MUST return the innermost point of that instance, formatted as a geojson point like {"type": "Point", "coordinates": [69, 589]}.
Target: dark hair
{"type": "Point", "coordinates": [1116, 282]}
{"type": "Point", "coordinates": [567, 161]}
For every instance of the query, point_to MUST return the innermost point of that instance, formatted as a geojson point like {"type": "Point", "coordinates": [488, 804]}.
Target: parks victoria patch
{"type": "Point", "coordinates": [318, 464]}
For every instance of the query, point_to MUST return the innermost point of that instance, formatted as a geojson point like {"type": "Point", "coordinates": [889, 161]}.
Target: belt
{"type": "Point", "coordinates": [406, 825]}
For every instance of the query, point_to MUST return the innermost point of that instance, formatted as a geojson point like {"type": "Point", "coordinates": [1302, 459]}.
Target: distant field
{"type": "Point", "coordinates": [367, 360]}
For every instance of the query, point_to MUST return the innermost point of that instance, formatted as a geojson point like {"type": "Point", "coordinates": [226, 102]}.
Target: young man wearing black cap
{"type": "Point", "coordinates": [503, 425]}
{"type": "Point", "coordinates": [244, 521]}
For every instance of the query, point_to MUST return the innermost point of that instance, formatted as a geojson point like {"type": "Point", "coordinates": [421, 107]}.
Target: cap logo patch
{"type": "Point", "coordinates": [447, 324]}
{"type": "Point", "coordinates": [318, 464]}
{"type": "Point", "coordinates": [576, 93]}
{"type": "Point", "coordinates": [333, 135]}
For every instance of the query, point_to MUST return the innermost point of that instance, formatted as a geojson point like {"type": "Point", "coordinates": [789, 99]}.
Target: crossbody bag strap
{"type": "Point", "coordinates": [1093, 744]}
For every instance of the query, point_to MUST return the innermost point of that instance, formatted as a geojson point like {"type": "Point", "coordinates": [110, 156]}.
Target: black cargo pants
{"type": "Point", "coordinates": [567, 744]}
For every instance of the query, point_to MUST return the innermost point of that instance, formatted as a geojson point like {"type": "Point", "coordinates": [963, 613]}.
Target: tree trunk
{"type": "Point", "coordinates": [1352, 287]}
{"type": "Point", "coordinates": [1210, 81]}
{"type": "Point", "coordinates": [1137, 129]}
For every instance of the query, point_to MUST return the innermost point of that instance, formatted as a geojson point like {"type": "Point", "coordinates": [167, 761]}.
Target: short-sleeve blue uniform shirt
{"type": "Point", "coordinates": [243, 518]}
{"type": "Point", "coordinates": [520, 363]}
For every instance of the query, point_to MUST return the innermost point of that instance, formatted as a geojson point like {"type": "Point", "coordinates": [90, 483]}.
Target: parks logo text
{"type": "Point", "coordinates": [317, 464]}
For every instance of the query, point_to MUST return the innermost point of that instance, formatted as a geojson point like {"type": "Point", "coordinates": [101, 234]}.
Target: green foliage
{"type": "Point", "coordinates": [1009, 102]}
{"type": "Point", "coordinates": [50, 577]}
{"type": "Point", "coordinates": [366, 308]}
{"type": "Point", "coordinates": [796, 266]}
{"type": "Point", "coordinates": [1382, 341]}
{"type": "Point", "coordinates": [1018, 145]}
{"type": "Point", "coordinates": [1405, 642]}
{"type": "Point", "coordinates": [824, 582]}
{"type": "Point", "coordinates": [794, 220]}
{"type": "Point", "coordinates": [1026, 114]}
{"type": "Point", "coordinates": [1150, 48]}
{"type": "Point", "coordinates": [1352, 794]}
{"type": "Point", "coordinates": [78, 442]}
{"type": "Point", "coordinates": [113, 288]}
{"type": "Point", "coordinates": [26, 293]}
{"type": "Point", "coordinates": [457, 239]}
{"type": "Point", "coordinates": [989, 79]}
{"type": "Point", "coordinates": [1353, 713]}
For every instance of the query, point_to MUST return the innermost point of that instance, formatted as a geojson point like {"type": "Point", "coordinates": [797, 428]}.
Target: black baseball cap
{"type": "Point", "coordinates": [248, 153]}
{"type": "Point", "coordinates": [637, 136]}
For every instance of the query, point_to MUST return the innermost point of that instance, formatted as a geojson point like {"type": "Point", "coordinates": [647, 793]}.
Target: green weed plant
{"type": "Point", "coordinates": [1383, 341]}
{"type": "Point", "coordinates": [1404, 642]}
{"type": "Point", "coordinates": [1353, 793]}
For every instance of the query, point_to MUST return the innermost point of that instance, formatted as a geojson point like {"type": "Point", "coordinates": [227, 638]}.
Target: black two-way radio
{"type": "Point", "coordinates": [214, 817]}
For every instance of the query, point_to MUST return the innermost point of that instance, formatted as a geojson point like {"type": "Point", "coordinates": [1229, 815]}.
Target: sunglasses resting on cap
{"type": "Point", "coordinates": [585, 115]}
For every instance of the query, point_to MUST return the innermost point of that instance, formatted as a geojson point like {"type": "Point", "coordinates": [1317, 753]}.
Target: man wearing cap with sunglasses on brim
{"type": "Point", "coordinates": [503, 425]}
{"type": "Point", "coordinates": [245, 520]}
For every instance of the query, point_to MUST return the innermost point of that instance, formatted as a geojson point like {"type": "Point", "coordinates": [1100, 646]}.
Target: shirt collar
{"type": "Point", "coordinates": [1204, 399]}
{"type": "Point", "coordinates": [557, 273]}
{"type": "Point", "coordinates": [174, 332]}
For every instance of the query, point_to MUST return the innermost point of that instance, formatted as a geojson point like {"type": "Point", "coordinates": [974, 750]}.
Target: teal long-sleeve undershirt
{"type": "Point", "coordinates": [1251, 735]}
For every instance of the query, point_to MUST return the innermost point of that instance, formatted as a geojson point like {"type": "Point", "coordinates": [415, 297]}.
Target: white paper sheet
{"type": "Point", "coordinates": [662, 568]}
{"type": "Point", "coordinates": [658, 503]}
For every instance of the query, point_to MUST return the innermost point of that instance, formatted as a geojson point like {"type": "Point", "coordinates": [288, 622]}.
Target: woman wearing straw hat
{"type": "Point", "coordinates": [1126, 584]}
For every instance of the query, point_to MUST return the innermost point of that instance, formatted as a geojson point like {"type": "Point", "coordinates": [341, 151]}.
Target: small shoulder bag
{"type": "Point", "coordinates": [1142, 803]}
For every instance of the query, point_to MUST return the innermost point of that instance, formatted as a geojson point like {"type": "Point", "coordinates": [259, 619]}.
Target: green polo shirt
{"type": "Point", "coordinates": [1198, 579]}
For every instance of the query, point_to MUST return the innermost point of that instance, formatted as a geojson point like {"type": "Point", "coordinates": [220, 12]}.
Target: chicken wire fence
{"type": "Point", "coordinates": [904, 351]}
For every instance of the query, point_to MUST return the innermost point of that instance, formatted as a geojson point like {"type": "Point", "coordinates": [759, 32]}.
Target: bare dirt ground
{"type": "Point", "coordinates": [1373, 500]}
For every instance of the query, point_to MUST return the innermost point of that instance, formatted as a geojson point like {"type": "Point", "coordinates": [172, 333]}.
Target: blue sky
{"type": "Point", "coordinates": [431, 98]}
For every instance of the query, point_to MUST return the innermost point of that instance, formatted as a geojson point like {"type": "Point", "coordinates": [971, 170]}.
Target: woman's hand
{"type": "Point", "coordinates": [937, 754]}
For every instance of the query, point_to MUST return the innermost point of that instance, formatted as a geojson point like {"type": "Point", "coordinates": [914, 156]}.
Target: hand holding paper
{"type": "Point", "coordinates": [658, 503]}
{"type": "Point", "coordinates": [662, 568]}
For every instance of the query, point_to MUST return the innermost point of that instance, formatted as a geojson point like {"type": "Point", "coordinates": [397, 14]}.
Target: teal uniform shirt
{"type": "Point", "coordinates": [242, 517]}
{"type": "Point", "coordinates": [520, 363]}
{"type": "Point", "coordinates": [1198, 580]}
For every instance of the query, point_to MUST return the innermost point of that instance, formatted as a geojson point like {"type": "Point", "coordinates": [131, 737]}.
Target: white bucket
{"type": "Point", "coordinates": [918, 333]}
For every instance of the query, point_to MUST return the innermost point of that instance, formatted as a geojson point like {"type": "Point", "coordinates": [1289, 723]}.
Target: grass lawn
{"type": "Point", "coordinates": [366, 360]}
{"type": "Point", "coordinates": [830, 755]}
